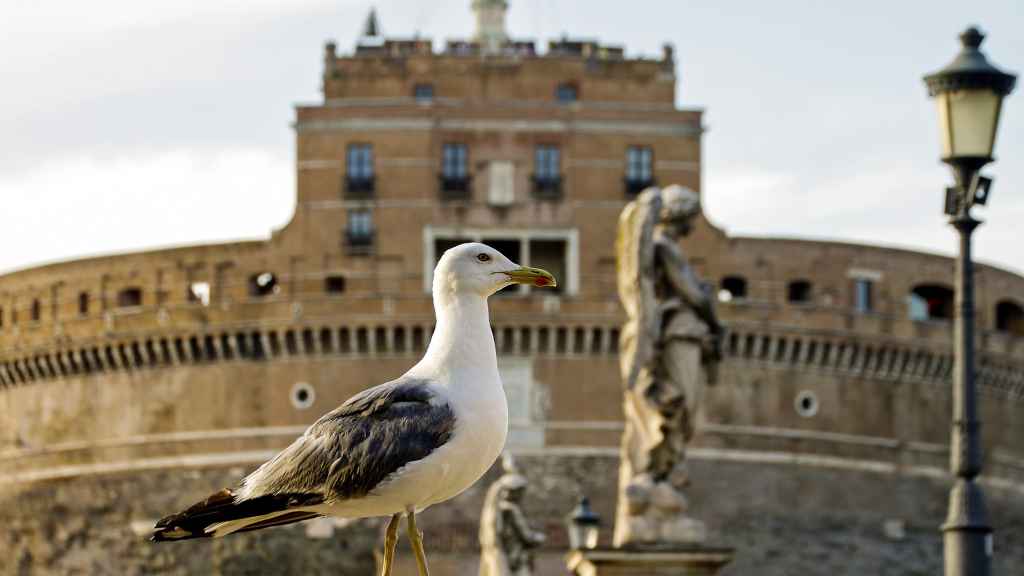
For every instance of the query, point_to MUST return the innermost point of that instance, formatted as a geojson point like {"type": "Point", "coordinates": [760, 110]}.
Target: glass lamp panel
{"type": "Point", "coordinates": [969, 125]}
{"type": "Point", "coordinates": [942, 101]}
{"type": "Point", "coordinates": [575, 536]}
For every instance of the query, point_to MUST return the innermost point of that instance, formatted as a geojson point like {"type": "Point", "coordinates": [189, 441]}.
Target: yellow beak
{"type": "Point", "coordinates": [532, 276]}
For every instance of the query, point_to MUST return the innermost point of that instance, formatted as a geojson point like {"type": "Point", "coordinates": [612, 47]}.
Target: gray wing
{"type": "Point", "coordinates": [355, 447]}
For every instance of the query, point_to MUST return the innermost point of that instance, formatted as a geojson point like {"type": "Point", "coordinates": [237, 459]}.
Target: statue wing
{"type": "Point", "coordinates": [635, 259]}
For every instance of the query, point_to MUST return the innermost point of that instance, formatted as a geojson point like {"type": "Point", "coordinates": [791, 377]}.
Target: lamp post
{"type": "Point", "coordinates": [583, 525]}
{"type": "Point", "coordinates": [969, 93]}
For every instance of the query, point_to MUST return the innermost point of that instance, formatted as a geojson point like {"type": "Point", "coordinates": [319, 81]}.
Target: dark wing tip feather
{"type": "Point", "coordinates": [222, 506]}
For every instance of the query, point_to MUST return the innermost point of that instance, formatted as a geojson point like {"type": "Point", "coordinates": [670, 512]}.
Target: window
{"type": "Point", "coordinates": [453, 161]}
{"type": "Point", "coordinates": [129, 298]}
{"type": "Point", "coordinates": [263, 284]}
{"type": "Point", "coordinates": [423, 92]}
{"type": "Point", "coordinates": [639, 173]}
{"type": "Point", "coordinates": [454, 171]}
{"type": "Point", "coordinates": [1010, 318]}
{"type": "Point", "coordinates": [359, 169]}
{"type": "Point", "coordinates": [1, 317]}
{"type": "Point", "coordinates": [732, 288]}
{"type": "Point", "coordinates": [360, 161]}
{"type": "Point", "coordinates": [302, 395]}
{"type": "Point", "coordinates": [863, 295]}
{"type": "Point", "coordinates": [547, 178]}
{"type": "Point", "coordinates": [806, 403]}
{"type": "Point", "coordinates": [798, 292]}
{"type": "Point", "coordinates": [930, 302]}
{"type": "Point", "coordinates": [547, 162]}
{"type": "Point", "coordinates": [566, 92]}
{"type": "Point", "coordinates": [37, 311]}
{"type": "Point", "coordinates": [551, 256]}
{"type": "Point", "coordinates": [334, 284]}
{"type": "Point", "coordinates": [359, 233]}
{"type": "Point", "coordinates": [83, 303]}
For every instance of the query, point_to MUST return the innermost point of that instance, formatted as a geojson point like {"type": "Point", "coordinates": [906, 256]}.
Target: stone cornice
{"type": "Point", "coordinates": [869, 357]}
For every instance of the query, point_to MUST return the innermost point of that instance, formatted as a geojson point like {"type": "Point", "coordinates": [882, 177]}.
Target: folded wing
{"type": "Point", "coordinates": [343, 455]}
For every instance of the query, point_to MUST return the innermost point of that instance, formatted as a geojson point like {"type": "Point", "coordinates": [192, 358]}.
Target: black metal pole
{"type": "Point", "coordinates": [967, 533]}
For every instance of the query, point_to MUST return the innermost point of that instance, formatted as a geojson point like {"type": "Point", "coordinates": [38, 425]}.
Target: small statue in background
{"type": "Point", "coordinates": [669, 348]}
{"type": "Point", "coordinates": [506, 540]}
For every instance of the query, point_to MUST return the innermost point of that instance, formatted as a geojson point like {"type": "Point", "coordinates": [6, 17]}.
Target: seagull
{"type": "Point", "coordinates": [396, 448]}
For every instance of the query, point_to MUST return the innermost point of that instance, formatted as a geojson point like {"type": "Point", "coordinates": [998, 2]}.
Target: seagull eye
{"type": "Point", "coordinates": [483, 257]}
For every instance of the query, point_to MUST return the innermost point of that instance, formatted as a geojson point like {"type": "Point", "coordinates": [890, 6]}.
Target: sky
{"type": "Point", "coordinates": [133, 124]}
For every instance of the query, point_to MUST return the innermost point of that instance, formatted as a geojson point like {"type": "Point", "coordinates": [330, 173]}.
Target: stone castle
{"type": "Point", "coordinates": [133, 384]}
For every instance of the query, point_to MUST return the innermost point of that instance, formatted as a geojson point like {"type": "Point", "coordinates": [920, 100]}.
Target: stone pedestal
{"type": "Point", "coordinates": [695, 560]}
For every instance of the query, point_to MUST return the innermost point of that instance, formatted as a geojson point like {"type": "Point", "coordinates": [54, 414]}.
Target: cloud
{"type": "Point", "coordinates": [87, 205]}
{"type": "Point", "coordinates": [64, 17]}
{"type": "Point", "coordinates": [871, 203]}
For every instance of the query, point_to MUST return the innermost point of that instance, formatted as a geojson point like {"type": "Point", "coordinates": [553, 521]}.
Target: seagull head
{"type": "Point", "coordinates": [476, 268]}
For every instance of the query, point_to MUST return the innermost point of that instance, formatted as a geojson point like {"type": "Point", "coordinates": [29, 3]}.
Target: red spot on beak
{"type": "Point", "coordinates": [541, 281]}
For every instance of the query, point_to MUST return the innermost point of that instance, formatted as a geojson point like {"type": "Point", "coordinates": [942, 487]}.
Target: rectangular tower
{"type": "Point", "coordinates": [413, 150]}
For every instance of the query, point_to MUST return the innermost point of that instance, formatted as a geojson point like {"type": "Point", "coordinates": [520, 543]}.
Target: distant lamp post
{"type": "Point", "coordinates": [969, 93]}
{"type": "Point", "coordinates": [583, 526]}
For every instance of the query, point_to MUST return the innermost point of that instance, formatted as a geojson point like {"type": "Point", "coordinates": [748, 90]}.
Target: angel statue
{"type": "Point", "coordinates": [506, 540]}
{"type": "Point", "coordinates": [669, 347]}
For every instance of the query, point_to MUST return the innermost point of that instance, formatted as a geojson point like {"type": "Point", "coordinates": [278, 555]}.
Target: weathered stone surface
{"type": "Point", "coordinates": [781, 519]}
{"type": "Point", "coordinates": [94, 526]}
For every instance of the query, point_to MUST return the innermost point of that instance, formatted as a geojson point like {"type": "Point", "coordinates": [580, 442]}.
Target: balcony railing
{"type": "Point", "coordinates": [359, 187]}
{"type": "Point", "coordinates": [455, 187]}
{"type": "Point", "coordinates": [547, 187]}
{"type": "Point", "coordinates": [358, 243]}
{"type": "Point", "coordinates": [635, 186]}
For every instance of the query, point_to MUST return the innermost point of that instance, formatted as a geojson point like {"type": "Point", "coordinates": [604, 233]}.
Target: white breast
{"type": "Point", "coordinates": [481, 429]}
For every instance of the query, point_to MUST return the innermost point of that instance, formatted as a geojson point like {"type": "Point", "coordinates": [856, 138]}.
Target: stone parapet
{"type": "Point", "coordinates": [671, 561]}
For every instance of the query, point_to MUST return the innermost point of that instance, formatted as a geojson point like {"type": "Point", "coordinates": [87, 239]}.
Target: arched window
{"type": "Point", "coordinates": [129, 297]}
{"type": "Point", "coordinates": [263, 284]}
{"type": "Point", "coordinates": [931, 302]}
{"type": "Point", "coordinates": [798, 292]}
{"type": "Point", "coordinates": [1010, 317]}
{"type": "Point", "coordinates": [37, 310]}
{"type": "Point", "coordinates": [732, 288]}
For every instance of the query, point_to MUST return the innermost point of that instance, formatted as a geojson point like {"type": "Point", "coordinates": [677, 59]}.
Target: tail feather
{"type": "Point", "coordinates": [286, 518]}
{"type": "Point", "coordinates": [198, 520]}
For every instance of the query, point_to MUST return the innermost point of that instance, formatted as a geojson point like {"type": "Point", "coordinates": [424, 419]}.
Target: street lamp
{"type": "Point", "coordinates": [969, 93]}
{"type": "Point", "coordinates": [583, 525]}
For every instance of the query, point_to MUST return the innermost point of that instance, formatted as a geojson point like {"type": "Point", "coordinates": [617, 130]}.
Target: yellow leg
{"type": "Point", "coordinates": [416, 539]}
{"type": "Point", "coordinates": [390, 540]}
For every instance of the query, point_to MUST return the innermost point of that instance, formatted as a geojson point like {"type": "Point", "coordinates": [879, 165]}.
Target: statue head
{"type": "Point", "coordinates": [512, 487]}
{"type": "Point", "coordinates": [679, 205]}
{"type": "Point", "coordinates": [512, 483]}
